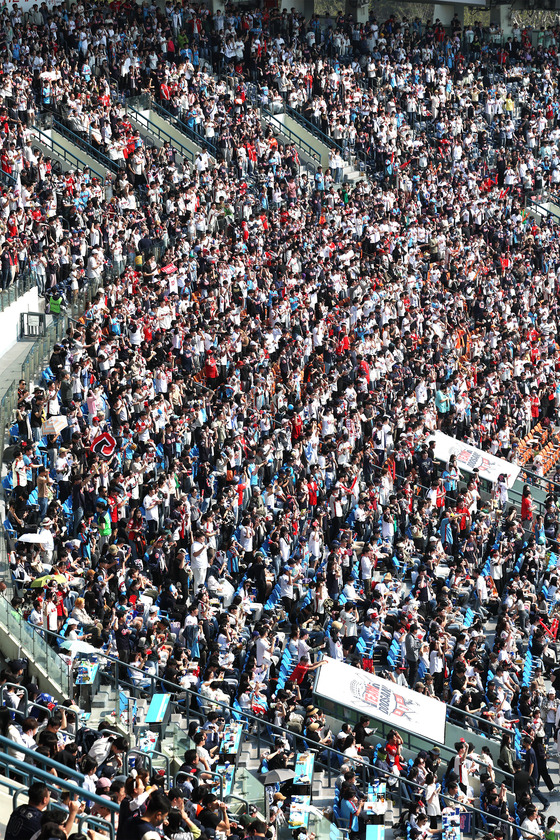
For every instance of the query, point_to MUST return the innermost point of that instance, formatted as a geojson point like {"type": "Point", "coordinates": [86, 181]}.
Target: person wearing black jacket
{"type": "Point", "coordinates": [69, 757]}
{"type": "Point", "coordinates": [25, 821]}
{"type": "Point", "coordinates": [257, 573]}
{"type": "Point", "coordinates": [179, 573]}
{"type": "Point", "coordinates": [524, 784]}
{"type": "Point", "coordinates": [57, 360]}
{"type": "Point", "coordinates": [542, 769]}
{"type": "Point", "coordinates": [125, 641]}
{"type": "Point", "coordinates": [146, 827]}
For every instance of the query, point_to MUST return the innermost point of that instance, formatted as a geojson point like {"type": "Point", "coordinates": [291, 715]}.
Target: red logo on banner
{"type": "Point", "coordinates": [372, 694]}
{"type": "Point", "coordinates": [104, 445]}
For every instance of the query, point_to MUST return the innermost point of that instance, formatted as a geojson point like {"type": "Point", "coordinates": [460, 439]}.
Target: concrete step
{"type": "Point", "coordinates": [101, 701]}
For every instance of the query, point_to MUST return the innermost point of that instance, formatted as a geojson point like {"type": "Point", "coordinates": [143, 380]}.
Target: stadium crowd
{"type": "Point", "coordinates": [241, 452]}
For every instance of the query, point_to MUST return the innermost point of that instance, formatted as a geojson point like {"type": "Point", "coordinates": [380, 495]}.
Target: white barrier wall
{"type": "Point", "coordinates": [380, 699]}
{"type": "Point", "coordinates": [9, 318]}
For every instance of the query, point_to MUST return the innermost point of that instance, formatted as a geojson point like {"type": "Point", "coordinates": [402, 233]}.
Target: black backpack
{"type": "Point", "coordinates": [86, 738]}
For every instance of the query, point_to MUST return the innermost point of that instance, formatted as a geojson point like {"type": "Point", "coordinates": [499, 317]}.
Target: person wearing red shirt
{"type": "Point", "coordinates": [535, 408]}
{"type": "Point", "coordinates": [303, 668]}
{"type": "Point", "coordinates": [343, 345]}
{"type": "Point", "coordinates": [393, 749]}
{"type": "Point", "coordinates": [211, 371]}
{"type": "Point", "coordinates": [463, 518]}
{"type": "Point", "coordinates": [313, 490]}
{"type": "Point", "coordinates": [526, 509]}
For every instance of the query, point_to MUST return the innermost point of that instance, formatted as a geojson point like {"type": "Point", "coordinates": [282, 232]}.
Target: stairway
{"type": "Point", "coordinates": [310, 133]}
{"type": "Point", "coordinates": [54, 145]}
{"type": "Point", "coordinates": [155, 130]}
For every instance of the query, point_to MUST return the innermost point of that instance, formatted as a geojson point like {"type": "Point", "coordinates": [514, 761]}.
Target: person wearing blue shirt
{"type": "Point", "coordinates": [451, 476]}
{"type": "Point", "coordinates": [350, 810]}
{"type": "Point", "coordinates": [368, 633]}
{"type": "Point", "coordinates": [443, 404]}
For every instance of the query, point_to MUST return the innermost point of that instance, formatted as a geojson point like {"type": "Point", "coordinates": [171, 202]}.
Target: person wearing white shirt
{"type": "Point", "coordinates": [50, 613]}
{"type": "Point", "coordinates": [366, 568]}
{"type": "Point", "coordinates": [199, 560]}
{"type": "Point", "coordinates": [286, 584]}
{"type": "Point", "coordinates": [263, 648]}
{"type": "Point", "coordinates": [151, 506]}
{"type": "Point", "coordinates": [304, 650]}
{"type": "Point", "coordinates": [531, 825]}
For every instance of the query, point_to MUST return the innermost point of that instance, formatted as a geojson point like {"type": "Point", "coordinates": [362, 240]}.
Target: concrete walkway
{"type": "Point", "coordinates": [11, 362]}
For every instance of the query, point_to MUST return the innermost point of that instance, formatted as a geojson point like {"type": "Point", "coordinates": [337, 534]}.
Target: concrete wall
{"type": "Point", "coordinates": [9, 319]}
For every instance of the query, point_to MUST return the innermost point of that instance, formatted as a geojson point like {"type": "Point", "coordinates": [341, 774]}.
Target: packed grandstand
{"type": "Point", "coordinates": [282, 505]}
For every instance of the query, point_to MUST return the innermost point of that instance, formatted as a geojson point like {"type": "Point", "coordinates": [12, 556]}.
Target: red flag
{"type": "Point", "coordinates": [104, 445]}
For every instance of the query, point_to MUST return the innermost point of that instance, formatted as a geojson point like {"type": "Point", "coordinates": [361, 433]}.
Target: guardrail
{"type": "Point", "coordinates": [61, 151]}
{"type": "Point", "coordinates": [184, 128]}
{"type": "Point", "coordinates": [32, 774]}
{"type": "Point", "coordinates": [35, 647]}
{"type": "Point", "coordinates": [183, 707]}
{"type": "Point", "coordinates": [33, 362]}
{"type": "Point", "coordinates": [56, 331]}
{"type": "Point", "coordinates": [42, 759]}
{"type": "Point", "coordinates": [160, 133]}
{"type": "Point", "coordinates": [538, 205]}
{"type": "Point", "coordinates": [90, 150]}
{"type": "Point", "coordinates": [313, 129]}
{"type": "Point", "coordinates": [148, 757]}
{"type": "Point", "coordinates": [24, 282]}
{"type": "Point", "coordinates": [264, 732]}
{"type": "Point", "coordinates": [7, 179]}
{"type": "Point", "coordinates": [277, 125]}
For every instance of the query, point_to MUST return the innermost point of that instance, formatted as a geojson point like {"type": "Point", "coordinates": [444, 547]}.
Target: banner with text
{"type": "Point", "coordinates": [381, 699]}
{"type": "Point", "coordinates": [470, 458]}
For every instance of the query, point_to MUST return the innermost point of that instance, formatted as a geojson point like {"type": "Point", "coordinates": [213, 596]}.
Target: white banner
{"type": "Point", "coordinates": [470, 458]}
{"type": "Point", "coordinates": [382, 700]}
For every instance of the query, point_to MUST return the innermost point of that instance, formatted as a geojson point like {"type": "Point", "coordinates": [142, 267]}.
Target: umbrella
{"type": "Point", "coordinates": [10, 452]}
{"type": "Point", "coordinates": [283, 774]}
{"type": "Point", "coordinates": [44, 538]}
{"type": "Point", "coordinates": [55, 424]}
{"type": "Point", "coordinates": [39, 582]}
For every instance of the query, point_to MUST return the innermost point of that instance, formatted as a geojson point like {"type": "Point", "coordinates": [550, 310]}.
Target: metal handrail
{"type": "Point", "coordinates": [267, 115]}
{"type": "Point", "coordinates": [159, 132]}
{"type": "Point", "coordinates": [149, 756]}
{"type": "Point", "coordinates": [365, 159]}
{"type": "Point", "coordinates": [248, 716]}
{"type": "Point", "coordinates": [313, 129]}
{"type": "Point", "coordinates": [212, 773]}
{"type": "Point", "coordinates": [19, 688]}
{"type": "Point", "coordinates": [23, 283]}
{"type": "Point", "coordinates": [185, 129]}
{"type": "Point", "coordinates": [60, 151]}
{"type": "Point", "coordinates": [101, 824]}
{"type": "Point", "coordinates": [8, 761]}
{"type": "Point", "coordinates": [238, 799]}
{"type": "Point", "coordinates": [79, 818]}
{"type": "Point", "coordinates": [83, 144]}
{"type": "Point", "coordinates": [292, 135]}
{"type": "Point", "coordinates": [539, 206]}
{"type": "Point", "coordinates": [7, 179]}
{"type": "Point", "coordinates": [42, 759]}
